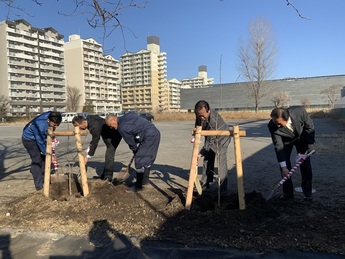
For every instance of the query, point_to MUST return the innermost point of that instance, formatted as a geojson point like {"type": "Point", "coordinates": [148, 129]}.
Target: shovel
{"type": "Point", "coordinates": [274, 192]}
{"type": "Point", "coordinates": [125, 171]}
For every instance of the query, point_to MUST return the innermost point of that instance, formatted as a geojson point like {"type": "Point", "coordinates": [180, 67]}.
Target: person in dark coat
{"type": "Point", "coordinates": [143, 139]}
{"type": "Point", "coordinates": [209, 119]}
{"type": "Point", "coordinates": [291, 127]}
{"type": "Point", "coordinates": [34, 139]}
{"type": "Point", "coordinates": [111, 138]}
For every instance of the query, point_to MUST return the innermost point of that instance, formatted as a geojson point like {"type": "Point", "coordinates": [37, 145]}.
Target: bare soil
{"type": "Point", "coordinates": [157, 213]}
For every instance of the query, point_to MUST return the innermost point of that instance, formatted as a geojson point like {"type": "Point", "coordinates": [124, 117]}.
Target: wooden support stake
{"type": "Point", "coordinates": [85, 187]}
{"type": "Point", "coordinates": [192, 173]}
{"type": "Point", "coordinates": [48, 162]}
{"type": "Point", "coordinates": [239, 170]}
{"type": "Point", "coordinates": [236, 133]}
{"type": "Point", "coordinates": [69, 133]}
{"type": "Point", "coordinates": [242, 133]}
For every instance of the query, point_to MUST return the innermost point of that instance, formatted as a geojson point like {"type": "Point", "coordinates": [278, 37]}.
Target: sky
{"type": "Point", "coordinates": [208, 32]}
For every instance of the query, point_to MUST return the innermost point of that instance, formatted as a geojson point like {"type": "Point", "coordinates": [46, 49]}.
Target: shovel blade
{"type": "Point", "coordinates": [123, 175]}
{"type": "Point", "coordinates": [270, 194]}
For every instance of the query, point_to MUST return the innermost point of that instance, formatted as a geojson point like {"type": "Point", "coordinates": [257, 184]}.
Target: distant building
{"type": "Point", "coordinates": [235, 96]}
{"type": "Point", "coordinates": [97, 76]}
{"type": "Point", "coordinates": [32, 73]}
{"type": "Point", "coordinates": [144, 83]}
{"type": "Point", "coordinates": [340, 103]}
{"type": "Point", "coordinates": [174, 94]}
{"type": "Point", "coordinates": [197, 82]}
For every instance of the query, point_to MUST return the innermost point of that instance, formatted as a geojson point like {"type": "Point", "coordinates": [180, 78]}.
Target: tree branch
{"type": "Point", "coordinates": [289, 3]}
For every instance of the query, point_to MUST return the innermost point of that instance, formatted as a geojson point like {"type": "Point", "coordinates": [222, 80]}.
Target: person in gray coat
{"type": "Point", "coordinates": [209, 119]}
{"type": "Point", "coordinates": [291, 127]}
{"type": "Point", "coordinates": [143, 139]}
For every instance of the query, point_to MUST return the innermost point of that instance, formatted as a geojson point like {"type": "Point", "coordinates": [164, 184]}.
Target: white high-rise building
{"type": "Point", "coordinates": [144, 82]}
{"type": "Point", "coordinates": [199, 81]}
{"type": "Point", "coordinates": [97, 76]}
{"type": "Point", "coordinates": [174, 94]}
{"type": "Point", "coordinates": [31, 68]}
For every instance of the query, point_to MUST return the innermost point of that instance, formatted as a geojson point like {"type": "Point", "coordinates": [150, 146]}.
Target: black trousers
{"type": "Point", "coordinates": [37, 162]}
{"type": "Point", "coordinates": [305, 168]}
{"type": "Point", "coordinates": [111, 142]}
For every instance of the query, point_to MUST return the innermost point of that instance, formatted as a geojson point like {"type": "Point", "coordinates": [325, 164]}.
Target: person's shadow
{"type": "Point", "coordinates": [5, 241]}
{"type": "Point", "coordinates": [109, 243]}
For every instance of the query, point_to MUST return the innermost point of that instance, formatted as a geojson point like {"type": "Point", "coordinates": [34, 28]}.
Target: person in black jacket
{"type": "Point", "coordinates": [142, 138]}
{"type": "Point", "coordinates": [291, 127]}
{"type": "Point", "coordinates": [111, 137]}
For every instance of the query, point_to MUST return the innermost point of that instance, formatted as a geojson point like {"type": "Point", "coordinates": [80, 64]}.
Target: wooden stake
{"type": "Point", "coordinates": [192, 172]}
{"type": "Point", "coordinates": [69, 133]}
{"type": "Point", "coordinates": [239, 170]}
{"type": "Point", "coordinates": [48, 162]}
{"type": "Point", "coordinates": [85, 187]}
{"type": "Point", "coordinates": [236, 133]}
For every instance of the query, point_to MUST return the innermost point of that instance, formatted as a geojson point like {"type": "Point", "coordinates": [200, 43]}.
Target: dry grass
{"type": "Point", "coordinates": [226, 115]}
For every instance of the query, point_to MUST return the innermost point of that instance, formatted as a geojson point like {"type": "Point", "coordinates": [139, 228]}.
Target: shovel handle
{"type": "Point", "coordinates": [300, 161]}
{"type": "Point", "coordinates": [132, 159]}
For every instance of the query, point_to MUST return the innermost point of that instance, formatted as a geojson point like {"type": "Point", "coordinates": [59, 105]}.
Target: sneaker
{"type": "Point", "coordinates": [308, 198]}
{"type": "Point", "coordinates": [286, 197]}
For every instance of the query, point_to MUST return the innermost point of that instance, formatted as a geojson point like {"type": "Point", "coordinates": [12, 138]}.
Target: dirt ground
{"type": "Point", "coordinates": [157, 213]}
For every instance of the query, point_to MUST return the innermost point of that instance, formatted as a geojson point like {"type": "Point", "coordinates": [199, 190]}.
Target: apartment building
{"type": "Point", "coordinates": [144, 83]}
{"type": "Point", "coordinates": [31, 68]}
{"type": "Point", "coordinates": [199, 81]}
{"type": "Point", "coordinates": [174, 94]}
{"type": "Point", "coordinates": [96, 76]}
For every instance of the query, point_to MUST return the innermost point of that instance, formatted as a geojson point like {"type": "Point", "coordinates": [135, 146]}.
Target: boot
{"type": "Point", "coordinates": [138, 185]}
{"type": "Point", "coordinates": [107, 176]}
{"type": "Point", "coordinates": [146, 179]}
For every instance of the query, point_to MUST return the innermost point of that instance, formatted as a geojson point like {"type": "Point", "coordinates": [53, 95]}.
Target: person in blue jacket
{"type": "Point", "coordinates": [143, 139]}
{"type": "Point", "coordinates": [34, 139]}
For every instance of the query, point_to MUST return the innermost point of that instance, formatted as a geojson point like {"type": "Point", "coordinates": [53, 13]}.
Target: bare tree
{"type": "Point", "coordinates": [73, 99]}
{"type": "Point", "coordinates": [89, 107]}
{"type": "Point", "coordinates": [258, 60]}
{"type": "Point", "coordinates": [281, 99]}
{"type": "Point", "coordinates": [305, 102]}
{"type": "Point", "coordinates": [4, 102]}
{"type": "Point", "coordinates": [99, 14]}
{"type": "Point", "coordinates": [332, 94]}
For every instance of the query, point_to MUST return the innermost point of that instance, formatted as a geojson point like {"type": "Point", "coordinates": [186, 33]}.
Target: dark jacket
{"type": "Point", "coordinates": [304, 131]}
{"type": "Point", "coordinates": [98, 128]}
{"type": "Point", "coordinates": [133, 129]}
{"type": "Point", "coordinates": [216, 143]}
